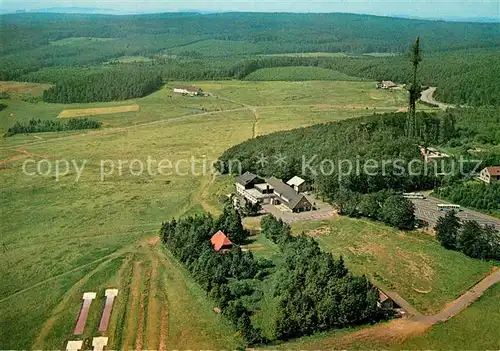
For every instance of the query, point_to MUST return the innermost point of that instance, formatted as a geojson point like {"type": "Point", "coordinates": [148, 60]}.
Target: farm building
{"type": "Point", "coordinates": [386, 84]}
{"type": "Point", "coordinates": [298, 184]}
{"type": "Point", "coordinates": [287, 196]}
{"type": "Point", "coordinates": [385, 302]}
{"type": "Point", "coordinates": [221, 242]}
{"type": "Point", "coordinates": [255, 190]}
{"type": "Point", "coordinates": [490, 175]}
{"type": "Point", "coordinates": [430, 154]}
{"type": "Point", "coordinates": [188, 90]}
{"type": "Point", "coordinates": [246, 187]}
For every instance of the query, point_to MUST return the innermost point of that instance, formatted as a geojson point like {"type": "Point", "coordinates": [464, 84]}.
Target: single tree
{"type": "Point", "coordinates": [447, 228]}
{"type": "Point", "coordinates": [414, 89]}
{"type": "Point", "coordinates": [399, 212]}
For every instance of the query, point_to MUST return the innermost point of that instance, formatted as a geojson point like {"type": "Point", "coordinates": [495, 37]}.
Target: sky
{"type": "Point", "coordinates": [415, 8]}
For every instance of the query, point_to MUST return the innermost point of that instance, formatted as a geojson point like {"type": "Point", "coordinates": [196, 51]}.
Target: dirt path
{"type": "Point", "coordinates": [153, 317]}
{"type": "Point", "coordinates": [107, 257]}
{"type": "Point", "coordinates": [164, 329]}
{"type": "Point", "coordinates": [255, 121]}
{"type": "Point", "coordinates": [428, 96]}
{"type": "Point", "coordinates": [139, 340]}
{"type": "Point", "coordinates": [464, 301]}
{"type": "Point", "coordinates": [132, 309]}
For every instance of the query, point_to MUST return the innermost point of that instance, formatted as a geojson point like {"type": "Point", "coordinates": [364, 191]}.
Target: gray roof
{"type": "Point", "coordinates": [286, 191]}
{"type": "Point", "coordinates": [246, 178]}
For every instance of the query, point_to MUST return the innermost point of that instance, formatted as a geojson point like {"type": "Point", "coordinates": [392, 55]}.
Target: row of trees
{"type": "Point", "coordinates": [40, 126]}
{"type": "Point", "coordinates": [384, 205]}
{"type": "Point", "coordinates": [314, 291]}
{"type": "Point", "coordinates": [476, 195]}
{"type": "Point", "coordinates": [468, 237]}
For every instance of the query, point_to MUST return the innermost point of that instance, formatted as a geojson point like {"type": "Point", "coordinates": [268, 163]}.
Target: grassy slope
{"type": "Point", "coordinates": [411, 263]}
{"type": "Point", "coordinates": [57, 233]}
{"type": "Point", "coordinates": [298, 74]}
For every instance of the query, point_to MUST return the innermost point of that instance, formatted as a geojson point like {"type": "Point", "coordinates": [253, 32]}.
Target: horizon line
{"type": "Point", "coordinates": [111, 12]}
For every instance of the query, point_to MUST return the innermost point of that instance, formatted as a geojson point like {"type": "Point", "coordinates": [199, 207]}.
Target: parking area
{"type": "Point", "coordinates": [323, 211]}
{"type": "Point", "coordinates": [426, 210]}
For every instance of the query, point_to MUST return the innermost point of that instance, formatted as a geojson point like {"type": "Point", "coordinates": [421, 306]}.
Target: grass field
{"type": "Point", "coordinates": [130, 59]}
{"type": "Point", "coordinates": [79, 41]}
{"type": "Point", "coordinates": [17, 89]}
{"type": "Point", "coordinates": [471, 329]}
{"type": "Point", "coordinates": [298, 74]}
{"type": "Point", "coordinates": [97, 111]}
{"type": "Point", "coordinates": [63, 237]}
{"type": "Point", "coordinates": [411, 263]}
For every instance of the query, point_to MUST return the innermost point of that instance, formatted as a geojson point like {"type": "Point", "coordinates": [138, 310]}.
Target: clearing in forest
{"type": "Point", "coordinates": [97, 111]}
{"type": "Point", "coordinates": [23, 88]}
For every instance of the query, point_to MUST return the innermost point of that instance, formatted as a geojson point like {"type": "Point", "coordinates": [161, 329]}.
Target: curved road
{"type": "Point", "coordinates": [427, 96]}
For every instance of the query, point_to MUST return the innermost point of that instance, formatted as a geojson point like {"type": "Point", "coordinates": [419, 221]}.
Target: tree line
{"type": "Point", "coordinates": [469, 237]}
{"type": "Point", "coordinates": [48, 125]}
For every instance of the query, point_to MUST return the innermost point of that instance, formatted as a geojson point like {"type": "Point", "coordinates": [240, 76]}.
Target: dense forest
{"type": "Point", "coordinates": [476, 195]}
{"type": "Point", "coordinates": [313, 291]}
{"type": "Point", "coordinates": [40, 126]}
{"type": "Point", "coordinates": [461, 59]}
{"type": "Point", "coordinates": [111, 85]}
{"type": "Point", "coordinates": [353, 163]}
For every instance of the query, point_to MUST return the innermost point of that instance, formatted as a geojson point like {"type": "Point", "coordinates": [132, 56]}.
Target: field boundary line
{"type": "Point", "coordinates": [115, 254]}
{"type": "Point", "coordinates": [115, 130]}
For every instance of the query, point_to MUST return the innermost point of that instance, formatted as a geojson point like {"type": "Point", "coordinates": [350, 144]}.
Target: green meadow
{"type": "Point", "coordinates": [96, 227]}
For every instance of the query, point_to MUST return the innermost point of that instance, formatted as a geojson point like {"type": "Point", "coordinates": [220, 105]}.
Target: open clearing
{"type": "Point", "coordinates": [62, 238]}
{"type": "Point", "coordinates": [410, 263]}
{"type": "Point", "coordinates": [20, 88]}
{"type": "Point", "coordinates": [97, 111]}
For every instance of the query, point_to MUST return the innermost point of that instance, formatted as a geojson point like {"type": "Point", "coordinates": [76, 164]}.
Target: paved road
{"type": "Point", "coordinates": [428, 96]}
{"type": "Point", "coordinates": [426, 210]}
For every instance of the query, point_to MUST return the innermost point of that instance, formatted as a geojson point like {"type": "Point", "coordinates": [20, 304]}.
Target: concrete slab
{"type": "Point", "coordinates": [111, 292]}
{"type": "Point", "coordinates": [74, 345]}
{"type": "Point", "coordinates": [99, 343]}
{"type": "Point", "coordinates": [106, 313]}
{"type": "Point", "coordinates": [89, 295]}
{"type": "Point", "coordinates": [84, 312]}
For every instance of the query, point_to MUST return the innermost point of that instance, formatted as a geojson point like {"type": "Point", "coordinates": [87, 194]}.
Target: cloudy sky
{"type": "Point", "coordinates": [422, 8]}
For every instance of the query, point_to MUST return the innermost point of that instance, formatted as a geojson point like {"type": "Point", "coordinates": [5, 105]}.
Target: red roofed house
{"type": "Point", "coordinates": [221, 242]}
{"type": "Point", "coordinates": [490, 175]}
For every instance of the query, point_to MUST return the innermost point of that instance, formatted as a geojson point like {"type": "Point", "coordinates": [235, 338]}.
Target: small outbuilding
{"type": "Point", "coordinates": [221, 242]}
{"type": "Point", "coordinates": [298, 184]}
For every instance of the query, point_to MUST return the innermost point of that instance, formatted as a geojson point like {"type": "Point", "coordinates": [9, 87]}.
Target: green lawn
{"type": "Point", "coordinates": [411, 263]}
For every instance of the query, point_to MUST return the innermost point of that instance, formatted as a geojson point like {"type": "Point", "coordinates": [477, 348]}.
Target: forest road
{"type": "Point", "coordinates": [428, 96]}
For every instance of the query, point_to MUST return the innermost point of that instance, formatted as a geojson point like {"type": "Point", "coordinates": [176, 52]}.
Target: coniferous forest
{"type": "Point", "coordinates": [461, 58]}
